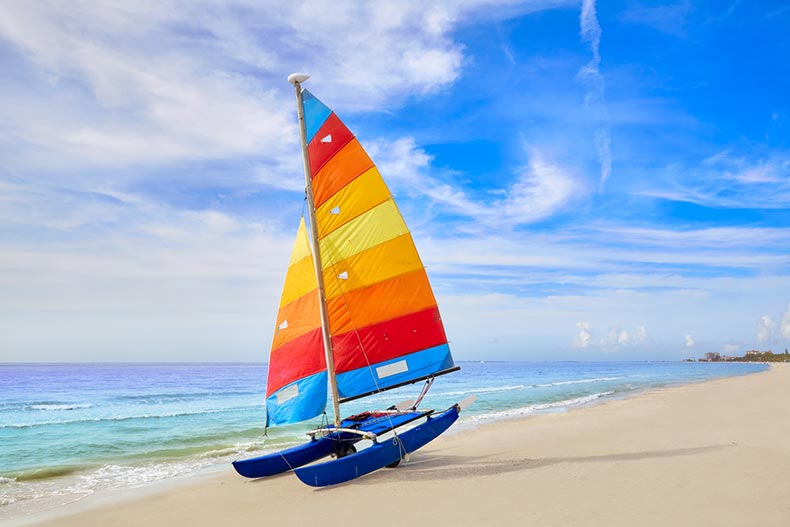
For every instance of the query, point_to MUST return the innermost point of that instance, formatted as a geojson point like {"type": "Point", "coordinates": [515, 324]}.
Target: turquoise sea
{"type": "Point", "coordinates": [69, 430]}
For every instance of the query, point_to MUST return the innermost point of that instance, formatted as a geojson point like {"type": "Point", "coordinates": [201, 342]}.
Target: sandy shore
{"type": "Point", "coordinates": [715, 453]}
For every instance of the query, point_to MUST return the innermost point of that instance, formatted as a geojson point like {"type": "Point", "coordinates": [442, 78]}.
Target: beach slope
{"type": "Point", "coordinates": [714, 453]}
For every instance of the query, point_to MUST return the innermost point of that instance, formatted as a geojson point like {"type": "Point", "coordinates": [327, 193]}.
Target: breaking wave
{"type": "Point", "coordinates": [534, 408]}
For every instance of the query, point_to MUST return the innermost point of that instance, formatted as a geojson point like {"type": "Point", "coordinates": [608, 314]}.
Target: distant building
{"type": "Point", "coordinates": [712, 356]}
{"type": "Point", "coordinates": [752, 353]}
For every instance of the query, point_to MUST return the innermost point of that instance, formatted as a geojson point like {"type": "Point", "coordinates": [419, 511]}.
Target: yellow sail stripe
{"type": "Point", "coordinates": [363, 193]}
{"type": "Point", "coordinates": [381, 262]}
{"type": "Point", "coordinates": [298, 312]}
{"type": "Point", "coordinates": [301, 245]}
{"type": "Point", "coordinates": [299, 281]}
{"type": "Point", "coordinates": [376, 226]}
{"type": "Point", "coordinates": [300, 278]}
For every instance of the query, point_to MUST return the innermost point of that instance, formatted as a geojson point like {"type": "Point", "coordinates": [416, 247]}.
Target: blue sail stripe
{"type": "Point", "coordinates": [308, 400]}
{"type": "Point", "coordinates": [315, 114]}
{"type": "Point", "coordinates": [402, 369]}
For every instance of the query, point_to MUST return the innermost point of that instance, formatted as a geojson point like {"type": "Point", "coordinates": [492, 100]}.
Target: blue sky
{"type": "Point", "coordinates": [584, 180]}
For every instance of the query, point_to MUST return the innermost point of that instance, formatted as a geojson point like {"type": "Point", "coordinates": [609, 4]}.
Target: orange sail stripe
{"type": "Point", "coordinates": [331, 137]}
{"type": "Point", "coordinates": [296, 318]}
{"type": "Point", "coordinates": [348, 163]}
{"type": "Point", "coordinates": [360, 195]}
{"type": "Point", "coordinates": [296, 359]}
{"type": "Point", "coordinates": [386, 300]}
{"type": "Point", "coordinates": [381, 262]}
{"type": "Point", "coordinates": [388, 340]}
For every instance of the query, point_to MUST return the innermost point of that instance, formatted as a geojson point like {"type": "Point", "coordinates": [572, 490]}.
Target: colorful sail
{"type": "Point", "coordinates": [384, 321]}
{"type": "Point", "coordinates": [297, 379]}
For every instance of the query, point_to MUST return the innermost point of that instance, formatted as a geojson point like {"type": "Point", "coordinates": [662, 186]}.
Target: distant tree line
{"type": "Point", "coordinates": [749, 356]}
{"type": "Point", "coordinates": [764, 356]}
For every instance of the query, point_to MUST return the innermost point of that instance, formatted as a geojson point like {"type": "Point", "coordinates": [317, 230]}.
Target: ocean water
{"type": "Point", "coordinates": [69, 430]}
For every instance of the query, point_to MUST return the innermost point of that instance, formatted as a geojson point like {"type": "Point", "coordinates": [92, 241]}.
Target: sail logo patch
{"type": "Point", "coordinates": [392, 369]}
{"type": "Point", "coordinates": [286, 394]}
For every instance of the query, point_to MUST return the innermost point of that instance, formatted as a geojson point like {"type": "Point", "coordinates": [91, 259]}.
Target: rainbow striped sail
{"type": "Point", "coordinates": [384, 323]}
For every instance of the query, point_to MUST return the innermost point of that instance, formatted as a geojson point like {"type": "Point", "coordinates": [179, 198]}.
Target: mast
{"type": "Point", "coordinates": [297, 79]}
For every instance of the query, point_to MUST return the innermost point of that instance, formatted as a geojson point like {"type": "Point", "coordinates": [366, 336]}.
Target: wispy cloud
{"type": "Point", "coordinates": [729, 180]}
{"type": "Point", "coordinates": [670, 19]}
{"type": "Point", "coordinates": [541, 188]}
{"type": "Point", "coordinates": [590, 75]}
{"type": "Point", "coordinates": [150, 155]}
{"type": "Point", "coordinates": [149, 82]}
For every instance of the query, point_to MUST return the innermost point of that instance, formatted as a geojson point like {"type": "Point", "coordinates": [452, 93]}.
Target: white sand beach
{"type": "Point", "coordinates": [713, 453]}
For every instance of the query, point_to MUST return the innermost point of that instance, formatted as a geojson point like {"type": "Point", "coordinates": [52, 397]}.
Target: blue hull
{"type": "Point", "coordinates": [379, 455]}
{"type": "Point", "coordinates": [289, 459]}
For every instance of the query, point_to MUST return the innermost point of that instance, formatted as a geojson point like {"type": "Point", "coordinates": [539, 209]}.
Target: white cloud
{"type": "Point", "coordinates": [139, 81]}
{"type": "Point", "coordinates": [583, 338]}
{"type": "Point", "coordinates": [107, 91]}
{"type": "Point", "coordinates": [766, 329]}
{"type": "Point", "coordinates": [759, 180]}
{"type": "Point", "coordinates": [690, 341]}
{"type": "Point", "coordinates": [180, 285]}
{"type": "Point", "coordinates": [142, 81]}
{"type": "Point", "coordinates": [540, 190]}
{"type": "Point", "coordinates": [616, 338]}
{"type": "Point", "coordinates": [769, 331]}
{"type": "Point", "coordinates": [784, 327]}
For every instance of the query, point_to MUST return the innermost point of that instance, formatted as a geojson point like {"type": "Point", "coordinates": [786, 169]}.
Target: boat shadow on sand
{"type": "Point", "coordinates": [437, 466]}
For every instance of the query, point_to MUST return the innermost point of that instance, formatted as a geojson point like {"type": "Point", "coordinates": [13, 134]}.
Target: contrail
{"type": "Point", "coordinates": [590, 75]}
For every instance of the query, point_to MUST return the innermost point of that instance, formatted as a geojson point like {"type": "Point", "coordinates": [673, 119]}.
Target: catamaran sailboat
{"type": "Point", "coordinates": [357, 317]}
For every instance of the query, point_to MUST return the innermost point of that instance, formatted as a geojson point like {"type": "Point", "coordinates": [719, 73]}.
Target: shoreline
{"type": "Point", "coordinates": [516, 396]}
{"type": "Point", "coordinates": [436, 470]}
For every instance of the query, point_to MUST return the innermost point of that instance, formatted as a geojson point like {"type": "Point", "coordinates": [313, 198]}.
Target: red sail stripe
{"type": "Point", "coordinates": [321, 148]}
{"type": "Point", "coordinates": [388, 340]}
{"type": "Point", "coordinates": [296, 359]}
